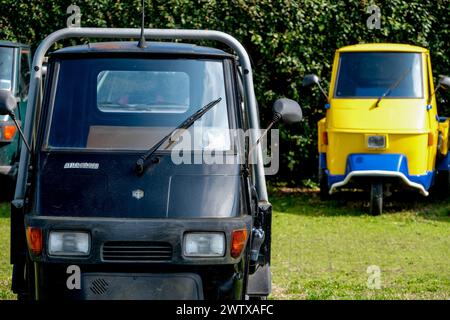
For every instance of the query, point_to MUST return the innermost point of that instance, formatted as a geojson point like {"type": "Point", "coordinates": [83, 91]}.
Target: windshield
{"type": "Point", "coordinates": [371, 74]}
{"type": "Point", "coordinates": [130, 104]}
{"type": "Point", "coordinates": [6, 68]}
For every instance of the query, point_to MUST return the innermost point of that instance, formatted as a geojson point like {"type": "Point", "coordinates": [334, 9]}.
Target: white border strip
{"type": "Point", "coordinates": [378, 173]}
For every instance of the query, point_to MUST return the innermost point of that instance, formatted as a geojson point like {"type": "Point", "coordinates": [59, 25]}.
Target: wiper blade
{"type": "Point", "coordinates": [140, 163]}
{"type": "Point", "coordinates": [392, 87]}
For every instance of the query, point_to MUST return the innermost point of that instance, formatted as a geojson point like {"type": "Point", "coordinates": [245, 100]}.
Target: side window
{"type": "Point", "coordinates": [24, 78]}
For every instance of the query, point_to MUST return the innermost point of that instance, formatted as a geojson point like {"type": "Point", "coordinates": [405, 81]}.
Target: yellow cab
{"type": "Point", "coordinates": [382, 131]}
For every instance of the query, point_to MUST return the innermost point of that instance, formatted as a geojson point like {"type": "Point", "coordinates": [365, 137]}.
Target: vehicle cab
{"type": "Point", "coordinates": [117, 198]}
{"type": "Point", "coordinates": [15, 62]}
{"type": "Point", "coordinates": [382, 129]}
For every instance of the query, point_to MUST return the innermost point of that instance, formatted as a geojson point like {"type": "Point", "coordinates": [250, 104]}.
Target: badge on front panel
{"type": "Point", "coordinates": [138, 194]}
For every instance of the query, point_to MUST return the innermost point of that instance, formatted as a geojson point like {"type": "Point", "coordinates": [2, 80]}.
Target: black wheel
{"type": "Point", "coordinates": [23, 297]}
{"type": "Point", "coordinates": [26, 283]}
{"type": "Point", "coordinates": [323, 185]}
{"type": "Point", "coordinates": [442, 184]}
{"type": "Point", "coordinates": [257, 298]}
{"type": "Point", "coordinates": [376, 198]}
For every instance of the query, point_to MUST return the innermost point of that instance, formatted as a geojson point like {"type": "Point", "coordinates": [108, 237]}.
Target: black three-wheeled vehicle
{"type": "Point", "coordinates": [103, 207]}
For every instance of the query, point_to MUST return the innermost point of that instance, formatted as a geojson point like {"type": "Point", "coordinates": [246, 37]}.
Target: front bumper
{"type": "Point", "coordinates": [171, 231]}
{"type": "Point", "coordinates": [136, 286]}
{"type": "Point", "coordinates": [177, 278]}
{"type": "Point", "coordinates": [384, 166]}
{"type": "Point", "coordinates": [138, 282]}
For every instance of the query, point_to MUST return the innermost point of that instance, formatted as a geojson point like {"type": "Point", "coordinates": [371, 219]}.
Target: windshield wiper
{"type": "Point", "coordinates": [140, 163]}
{"type": "Point", "coordinates": [392, 87]}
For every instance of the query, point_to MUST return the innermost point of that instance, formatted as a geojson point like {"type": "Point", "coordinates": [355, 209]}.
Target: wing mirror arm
{"type": "Point", "coordinates": [444, 83]}
{"type": "Point", "coordinates": [312, 79]}
{"type": "Point", "coordinates": [7, 105]}
{"type": "Point", "coordinates": [284, 109]}
{"type": "Point", "coordinates": [323, 91]}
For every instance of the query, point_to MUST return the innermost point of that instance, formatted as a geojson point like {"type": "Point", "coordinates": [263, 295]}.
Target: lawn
{"type": "Point", "coordinates": [321, 250]}
{"type": "Point", "coordinates": [5, 267]}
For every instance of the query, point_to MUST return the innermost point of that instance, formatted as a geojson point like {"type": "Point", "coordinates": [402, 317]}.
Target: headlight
{"type": "Point", "coordinates": [204, 244]}
{"type": "Point", "coordinates": [376, 142]}
{"type": "Point", "coordinates": [66, 243]}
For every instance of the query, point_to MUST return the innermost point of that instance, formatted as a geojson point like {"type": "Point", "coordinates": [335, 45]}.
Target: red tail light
{"type": "Point", "coordinates": [325, 138]}
{"type": "Point", "coordinates": [238, 241]}
{"type": "Point", "coordinates": [430, 138]}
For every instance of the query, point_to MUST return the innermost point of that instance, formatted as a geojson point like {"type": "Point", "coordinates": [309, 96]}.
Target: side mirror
{"type": "Point", "coordinates": [444, 82]}
{"type": "Point", "coordinates": [7, 105]}
{"type": "Point", "coordinates": [284, 109]}
{"type": "Point", "coordinates": [310, 79]}
{"type": "Point", "coordinates": [7, 102]}
{"type": "Point", "coordinates": [287, 110]}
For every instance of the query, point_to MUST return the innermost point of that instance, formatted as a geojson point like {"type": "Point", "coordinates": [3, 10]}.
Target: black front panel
{"type": "Point", "coordinates": [107, 186]}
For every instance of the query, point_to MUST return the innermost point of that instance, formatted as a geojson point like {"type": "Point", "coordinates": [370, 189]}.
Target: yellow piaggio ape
{"type": "Point", "coordinates": [382, 129]}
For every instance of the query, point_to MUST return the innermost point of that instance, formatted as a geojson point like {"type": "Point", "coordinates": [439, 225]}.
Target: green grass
{"type": "Point", "coordinates": [5, 267]}
{"type": "Point", "coordinates": [321, 250]}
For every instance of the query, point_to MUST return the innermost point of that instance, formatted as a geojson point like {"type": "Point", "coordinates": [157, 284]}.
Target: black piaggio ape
{"type": "Point", "coordinates": [107, 203]}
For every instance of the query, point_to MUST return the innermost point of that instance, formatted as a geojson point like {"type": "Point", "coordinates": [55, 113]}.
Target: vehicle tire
{"type": "Point", "coordinates": [29, 279]}
{"type": "Point", "coordinates": [23, 297]}
{"type": "Point", "coordinates": [257, 298]}
{"type": "Point", "coordinates": [442, 184]}
{"type": "Point", "coordinates": [376, 198]}
{"type": "Point", "coordinates": [323, 185]}
{"type": "Point", "coordinates": [27, 291]}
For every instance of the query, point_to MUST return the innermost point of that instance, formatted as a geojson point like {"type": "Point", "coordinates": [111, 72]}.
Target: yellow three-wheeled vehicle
{"type": "Point", "coordinates": [382, 129]}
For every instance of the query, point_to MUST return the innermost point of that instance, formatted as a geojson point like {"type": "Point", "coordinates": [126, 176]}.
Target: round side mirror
{"type": "Point", "coordinates": [288, 110]}
{"type": "Point", "coordinates": [444, 82]}
{"type": "Point", "coordinates": [310, 79]}
{"type": "Point", "coordinates": [7, 102]}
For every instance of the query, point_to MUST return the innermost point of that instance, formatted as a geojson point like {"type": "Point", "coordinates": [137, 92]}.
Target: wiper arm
{"type": "Point", "coordinates": [140, 163]}
{"type": "Point", "coordinates": [392, 87]}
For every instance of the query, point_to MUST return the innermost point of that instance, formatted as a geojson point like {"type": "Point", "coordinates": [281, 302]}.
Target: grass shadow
{"type": "Point", "coordinates": [356, 203]}
{"type": "Point", "coordinates": [5, 211]}
{"type": "Point", "coordinates": [7, 187]}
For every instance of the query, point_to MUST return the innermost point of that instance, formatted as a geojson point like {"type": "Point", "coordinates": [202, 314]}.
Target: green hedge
{"type": "Point", "coordinates": [286, 40]}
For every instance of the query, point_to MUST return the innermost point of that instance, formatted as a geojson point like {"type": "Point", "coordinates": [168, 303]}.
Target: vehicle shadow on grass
{"type": "Point", "coordinates": [7, 188]}
{"type": "Point", "coordinates": [5, 200]}
{"type": "Point", "coordinates": [356, 203]}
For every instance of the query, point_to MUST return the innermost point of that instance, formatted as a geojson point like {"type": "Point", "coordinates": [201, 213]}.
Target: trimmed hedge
{"type": "Point", "coordinates": [286, 40]}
